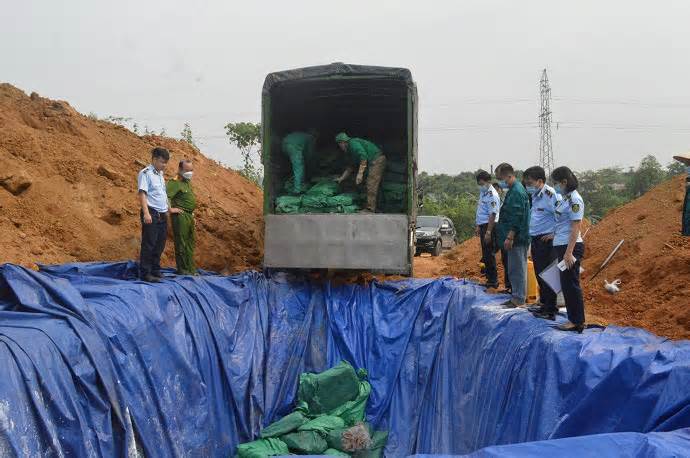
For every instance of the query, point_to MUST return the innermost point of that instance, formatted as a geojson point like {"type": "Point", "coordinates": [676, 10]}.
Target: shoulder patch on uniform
{"type": "Point", "coordinates": [576, 207]}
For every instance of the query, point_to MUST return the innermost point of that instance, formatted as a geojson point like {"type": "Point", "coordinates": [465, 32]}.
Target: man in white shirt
{"type": "Point", "coordinates": [153, 199]}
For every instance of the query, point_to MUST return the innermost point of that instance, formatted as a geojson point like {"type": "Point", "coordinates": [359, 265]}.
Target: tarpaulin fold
{"type": "Point", "coordinates": [197, 365]}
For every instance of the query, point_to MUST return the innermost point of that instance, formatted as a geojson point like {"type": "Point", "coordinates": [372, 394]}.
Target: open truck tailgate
{"type": "Point", "coordinates": [337, 241]}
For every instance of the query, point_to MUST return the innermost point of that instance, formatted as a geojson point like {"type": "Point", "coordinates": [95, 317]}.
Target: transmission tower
{"type": "Point", "coordinates": [545, 148]}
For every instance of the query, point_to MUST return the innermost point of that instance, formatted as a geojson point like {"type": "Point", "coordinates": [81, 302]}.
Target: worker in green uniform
{"type": "Point", "coordinates": [685, 217]}
{"type": "Point", "coordinates": [299, 147]}
{"type": "Point", "coordinates": [182, 205]}
{"type": "Point", "coordinates": [367, 155]}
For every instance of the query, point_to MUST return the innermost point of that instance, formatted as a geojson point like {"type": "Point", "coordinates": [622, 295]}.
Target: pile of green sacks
{"type": "Point", "coordinates": [322, 197]}
{"type": "Point", "coordinates": [394, 187]}
{"type": "Point", "coordinates": [329, 403]}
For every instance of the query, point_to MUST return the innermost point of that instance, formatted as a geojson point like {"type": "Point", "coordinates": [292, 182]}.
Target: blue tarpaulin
{"type": "Point", "coordinates": [96, 363]}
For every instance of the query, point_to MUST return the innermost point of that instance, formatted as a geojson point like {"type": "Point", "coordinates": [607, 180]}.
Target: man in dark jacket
{"type": "Point", "coordinates": [513, 232]}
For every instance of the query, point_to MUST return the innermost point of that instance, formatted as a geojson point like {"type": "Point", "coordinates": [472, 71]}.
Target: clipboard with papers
{"type": "Point", "coordinates": [552, 275]}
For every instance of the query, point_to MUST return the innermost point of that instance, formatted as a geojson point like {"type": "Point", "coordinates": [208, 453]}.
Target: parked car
{"type": "Point", "coordinates": [433, 234]}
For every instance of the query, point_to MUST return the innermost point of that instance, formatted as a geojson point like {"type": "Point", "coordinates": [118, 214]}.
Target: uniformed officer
{"type": "Point", "coordinates": [569, 246]}
{"type": "Point", "coordinates": [504, 254]}
{"type": "Point", "coordinates": [182, 205]}
{"type": "Point", "coordinates": [488, 206]}
{"type": "Point", "coordinates": [154, 214]}
{"type": "Point", "coordinates": [541, 229]}
{"type": "Point", "coordinates": [299, 147]}
{"type": "Point", "coordinates": [367, 155]}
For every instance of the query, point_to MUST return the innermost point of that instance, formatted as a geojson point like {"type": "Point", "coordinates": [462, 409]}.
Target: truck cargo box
{"type": "Point", "coordinates": [375, 103]}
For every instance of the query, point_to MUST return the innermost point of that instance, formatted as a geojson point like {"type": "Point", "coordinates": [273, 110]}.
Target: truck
{"type": "Point", "coordinates": [375, 103]}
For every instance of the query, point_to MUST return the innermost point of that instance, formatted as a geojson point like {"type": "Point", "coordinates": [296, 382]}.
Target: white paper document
{"type": "Point", "coordinates": [552, 276]}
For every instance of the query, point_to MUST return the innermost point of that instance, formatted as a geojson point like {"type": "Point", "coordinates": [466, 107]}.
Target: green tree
{"type": "Point", "coordinates": [246, 136]}
{"type": "Point", "coordinates": [675, 168]}
{"type": "Point", "coordinates": [648, 174]}
{"type": "Point", "coordinates": [187, 136]}
{"type": "Point", "coordinates": [460, 209]}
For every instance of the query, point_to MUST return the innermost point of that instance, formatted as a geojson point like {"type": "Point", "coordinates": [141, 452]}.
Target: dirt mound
{"type": "Point", "coordinates": [68, 191]}
{"type": "Point", "coordinates": [653, 264]}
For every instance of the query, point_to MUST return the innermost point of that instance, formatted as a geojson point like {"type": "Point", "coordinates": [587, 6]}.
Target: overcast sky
{"type": "Point", "coordinates": [619, 70]}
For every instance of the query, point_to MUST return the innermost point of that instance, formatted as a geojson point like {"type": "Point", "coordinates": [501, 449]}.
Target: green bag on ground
{"type": "Point", "coordinates": [344, 199]}
{"type": "Point", "coordinates": [315, 201]}
{"type": "Point", "coordinates": [323, 424]}
{"type": "Point", "coordinates": [288, 204]}
{"type": "Point", "coordinates": [353, 411]}
{"type": "Point", "coordinates": [287, 424]}
{"type": "Point", "coordinates": [326, 188]}
{"type": "Point", "coordinates": [262, 448]}
{"type": "Point", "coordinates": [334, 438]}
{"type": "Point", "coordinates": [334, 452]}
{"type": "Point", "coordinates": [305, 442]}
{"type": "Point", "coordinates": [324, 392]}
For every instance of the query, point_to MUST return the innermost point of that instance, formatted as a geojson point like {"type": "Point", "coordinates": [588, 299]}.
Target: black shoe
{"type": "Point", "coordinates": [509, 304]}
{"type": "Point", "coordinates": [151, 279]}
{"type": "Point", "coordinates": [536, 308]}
{"type": "Point", "coordinates": [545, 315]}
{"type": "Point", "coordinates": [158, 276]}
{"type": "Point", "coordinates": [571, 327]}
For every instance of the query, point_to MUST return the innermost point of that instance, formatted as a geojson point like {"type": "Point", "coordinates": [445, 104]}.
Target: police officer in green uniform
{"type": "Point", "coordinates": [299, 147]}
{"type": "Point", "coordinates": [183, 203]}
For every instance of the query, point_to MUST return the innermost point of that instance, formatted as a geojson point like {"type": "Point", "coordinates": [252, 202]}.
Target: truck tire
{"type": "Point", "coordinates": [438, 248]}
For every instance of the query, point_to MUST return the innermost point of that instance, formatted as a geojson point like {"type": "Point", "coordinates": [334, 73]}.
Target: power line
{"type": "Point", "coordinates": [545, 147]}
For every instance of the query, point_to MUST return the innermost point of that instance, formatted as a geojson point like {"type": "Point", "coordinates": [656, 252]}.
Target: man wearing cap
{"type": "Point", "coordinates": [685, 218]}
{"type": "Point", "coordinates": [367, 155]}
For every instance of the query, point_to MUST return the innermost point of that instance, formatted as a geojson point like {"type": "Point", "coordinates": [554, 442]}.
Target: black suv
{"type": "Point", "coordinates": [433, 234]}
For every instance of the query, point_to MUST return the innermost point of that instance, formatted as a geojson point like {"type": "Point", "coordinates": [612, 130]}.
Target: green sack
{"type": "Point", "coordinates": [288, 204]}
{"type": "Point", "coordinates": [287, 424]}
{"type": "Point", "coordinates": [325, 188]}
{"type": "Point", "coordinates": [305, 442]}
{"type": "Point", "coordinates": [324, 392]}
{"type": "Point", "coordinates": [396, 166]}
{"type": "Point", "coordinates": [353, 411]}
{"type": "Point", "coordinates": [323, 424]}
{"type": "Point", "coordinates": [334, 452]}
{"type": "Point", "coordinates": [315, 201]}
{"type": "Point", "coordinates": [262, 448]}
{"type": "Point", "coordinates": [341, 199]}
{"type": "Point", "coordinates": [334, 438]}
